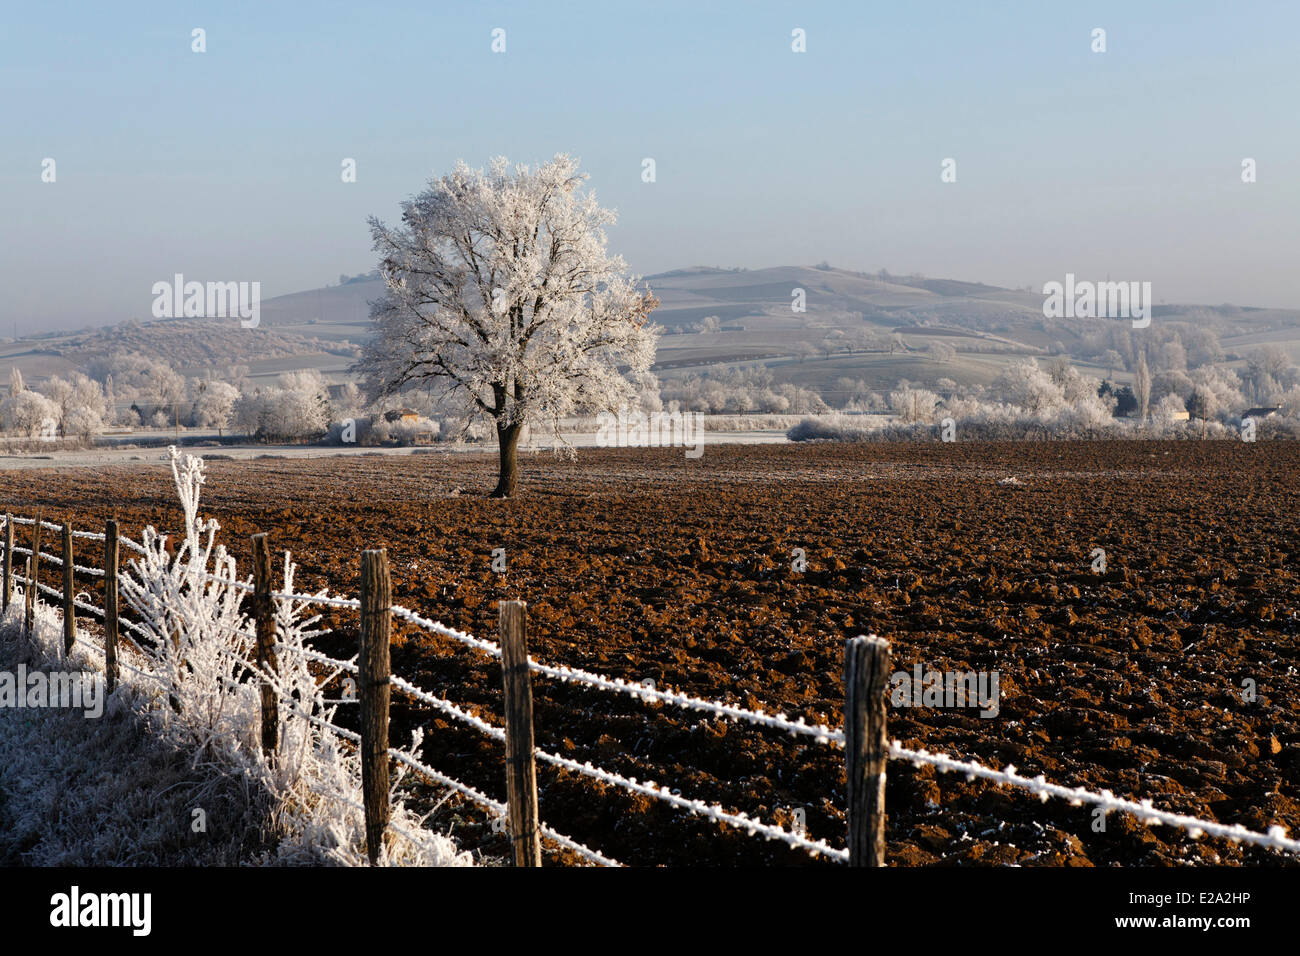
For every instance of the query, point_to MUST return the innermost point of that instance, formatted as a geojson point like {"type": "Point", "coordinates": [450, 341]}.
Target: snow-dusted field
{"type": "Point", "coordinates": [96, 457]}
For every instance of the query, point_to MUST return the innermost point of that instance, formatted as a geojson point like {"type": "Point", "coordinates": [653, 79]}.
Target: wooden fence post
{"type": "Point", "coordinates": [373, 692]}
{"type": "Point", "coordinates": [866, 672]}
{"type": "Point", "coordinates": [69, 595]}
{"type": "Point", "coordinates": [29, 611]}
{"type": "Point", "coordinates": [9, 560]}
{"type": "Point", "coordinates": [521, 770]}
{"type": "Point", "coordinates": [33, 575]}
{"type": "Point", "coordinates": [264, 614]}
{"type": "Point", "coordinates": [110, 603]}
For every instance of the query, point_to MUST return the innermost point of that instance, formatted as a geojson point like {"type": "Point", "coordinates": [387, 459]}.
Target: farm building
{"type": "Point", "coordinates": [1264, 411]}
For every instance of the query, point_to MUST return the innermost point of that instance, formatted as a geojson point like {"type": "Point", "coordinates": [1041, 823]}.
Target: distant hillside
{"type": "Point", "coordinates": [873, 327]}
{"type": "Point", "coordinates": [191, 346]}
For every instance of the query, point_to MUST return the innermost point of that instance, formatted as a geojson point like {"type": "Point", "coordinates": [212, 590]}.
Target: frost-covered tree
{"type": "Point", "coordinates": [58, 391]}
{"type": "Point", "coordinates": [298, 408]}
{"type": "Point", "coordinates": [246, 416]}
{"type": "Point", "coordinates": [1027, 386]}
{"type": "Point", "coordinates": [1142, 388]}
{"type": "Point", "coordinates": [914, 404]}
{"type": "Point", "coordinates": [1112, 360]}
{"type": "Point", "coordinates": [1268, 372]}
{"type": "Point", "coordinates": [31, 413]}
{"type": "Point", "coordinates": [1290, 402]}
{"type": "Point", "coordinates": [84, 407]}
{"type": "Point", "coordinates": [498, 282]}
{"type": "Point", "coordinates": [942, 352]}
{"type": "Point", "coordinates": [150, 385]}
{"type": "Point", "coordinates": [349, 403]}
{"type": "Point", "coordinates": [1216, 390]}
{"type": "Point", "coordinates": [214, 405]}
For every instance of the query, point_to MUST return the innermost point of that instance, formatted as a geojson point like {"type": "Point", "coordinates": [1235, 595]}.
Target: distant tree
{"type": "Point", "coordinates": [349, 402]}
{"type": "Point", "coordinates": [1125, 402]}
{"type": "Point", "coordinates": [30, 413]}
{"type": "Point", "coordinates": [166, 389]}
{"type": "Point", "coordinates": [1220, 388]}
{"type": "Point", "coordinates": [499, 283]}
{"type": "Point", "coordinates": [82, 422]}
{"type": "Point", "coordinates": [942, 352]}
{"type": "Point", "coordinates": [1026, 385]}
{"type": "Point", "coordinates": [1201, 404]}
{"type": "Point", "coordinates": [1059, 369]}
{"type": "Point", "coordinates": [110, 401]}
{"type": "Point", "coordinates": [913, 404]}
{"type": "Point", "coordinates": [1142, 388]}
{"type": "Point", "coordinates": [298, 408]}
{"type": "Point", "coordinates": [58, 391]}
{"type": "Point", "coordinates": [1289, 402]}
{"type": "Point", "coordinates": [214, 405]}
{"type": "Point", "coordinates": [1171, 356]}
{"type": "Point", "coordinates": [247, 414]}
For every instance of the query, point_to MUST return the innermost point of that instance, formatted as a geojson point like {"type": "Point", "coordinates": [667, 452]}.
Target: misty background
{"type": "Point", "coordinates": [225, 165]}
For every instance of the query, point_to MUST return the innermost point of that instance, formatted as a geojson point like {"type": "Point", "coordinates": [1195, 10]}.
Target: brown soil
{"type": "Point", "coordinates": [643, 564]}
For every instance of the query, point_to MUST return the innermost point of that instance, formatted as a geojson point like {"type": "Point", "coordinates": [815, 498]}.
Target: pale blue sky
{"type": "Point", "coordinates": [225, 165]}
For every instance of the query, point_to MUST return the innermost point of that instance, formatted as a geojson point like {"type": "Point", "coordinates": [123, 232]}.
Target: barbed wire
{"type": "Point", "coordinates": [1144, 810]}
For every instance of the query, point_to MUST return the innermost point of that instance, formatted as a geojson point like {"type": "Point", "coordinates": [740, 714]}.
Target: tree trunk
{"type": "Point", "coordinates": [508, 440]}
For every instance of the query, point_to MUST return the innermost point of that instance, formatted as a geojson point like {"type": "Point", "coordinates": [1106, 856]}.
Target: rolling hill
{"type": "Point", "coordinates": [985, 325]}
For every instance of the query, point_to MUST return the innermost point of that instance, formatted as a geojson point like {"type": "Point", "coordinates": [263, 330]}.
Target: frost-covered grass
{"type": "Point", "coordinates": [750, 423]}
{"type": "Point", "coordinates": [182, 733]}
{"type": "Point", "coordinates": [109, 791]}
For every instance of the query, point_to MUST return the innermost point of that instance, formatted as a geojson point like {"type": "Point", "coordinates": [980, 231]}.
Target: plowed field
{"type": "Point", "coordinates": [646, 565]}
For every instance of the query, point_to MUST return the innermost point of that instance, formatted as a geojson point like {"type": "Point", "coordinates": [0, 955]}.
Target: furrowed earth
{"type": "Point", "coordinates": [643, 564]}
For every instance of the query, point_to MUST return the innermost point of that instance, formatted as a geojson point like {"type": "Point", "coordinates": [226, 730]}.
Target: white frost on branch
{"type": "Point", "coordinates": [199, 651]}
{"type": "Point", "coordinates": [499, 289]}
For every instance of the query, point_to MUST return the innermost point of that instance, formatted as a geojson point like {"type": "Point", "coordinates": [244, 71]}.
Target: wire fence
{"type": "Point", "coordinates": [870, 709]}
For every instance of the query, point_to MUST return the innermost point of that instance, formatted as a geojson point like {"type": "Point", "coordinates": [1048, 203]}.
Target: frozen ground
{"type": "Point", "coordinates": [94, 457]}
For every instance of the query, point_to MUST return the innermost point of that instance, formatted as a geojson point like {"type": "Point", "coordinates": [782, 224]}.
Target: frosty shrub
{"type": "Point", "coordinates": [197, 647]}
{"type": "Point", "coordinates": [422, 430]}
{"type": "Point", "coordinates": [191, 627]}
{"type": "Point", "coordinates": [27, 413]}
{"type": "Point", "coordinates": [913, 404]}
{"type": "Point", "coordinates": [1032, 403]}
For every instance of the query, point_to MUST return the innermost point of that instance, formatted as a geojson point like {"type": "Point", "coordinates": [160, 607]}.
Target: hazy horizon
{"type": "Point", "coordinates": [225, 165]}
